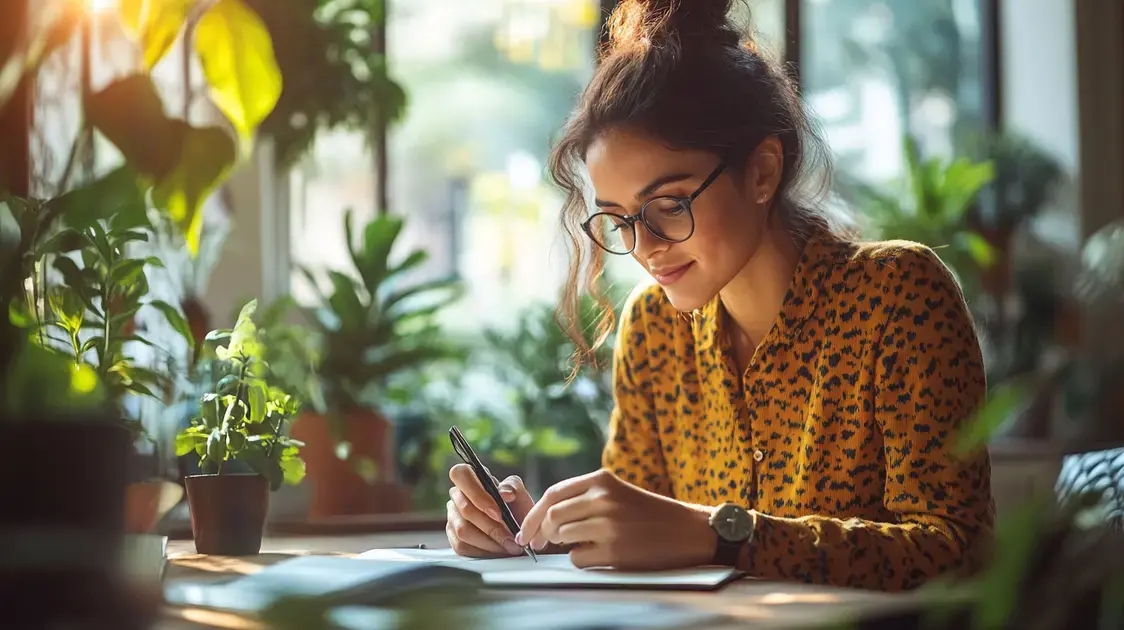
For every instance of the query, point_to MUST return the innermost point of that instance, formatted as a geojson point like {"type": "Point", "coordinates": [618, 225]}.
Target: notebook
{"type": "Point", "coordinates": [557, 571]}
{"type": "Point", "coordinates": [336, 580]}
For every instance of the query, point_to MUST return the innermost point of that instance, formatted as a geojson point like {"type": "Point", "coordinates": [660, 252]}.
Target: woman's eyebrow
{"type": "Point", "coordinates": [654, 185]}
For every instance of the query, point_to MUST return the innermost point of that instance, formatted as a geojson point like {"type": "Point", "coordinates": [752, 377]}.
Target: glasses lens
{"type": "Point", "coordinates": [612, 233]}
{"type": "Point", "coordinates": [669, 219]}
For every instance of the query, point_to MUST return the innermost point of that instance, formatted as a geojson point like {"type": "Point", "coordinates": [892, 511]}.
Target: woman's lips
{"type": "Point", "coordinates": [670, 275]}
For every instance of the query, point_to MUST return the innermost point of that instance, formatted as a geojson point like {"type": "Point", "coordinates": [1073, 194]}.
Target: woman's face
{"type": "Point", "coordinates": [627, 169]}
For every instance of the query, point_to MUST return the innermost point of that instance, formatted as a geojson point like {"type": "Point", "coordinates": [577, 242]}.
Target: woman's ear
{"type": "Point", "coordinates": [764, 169]}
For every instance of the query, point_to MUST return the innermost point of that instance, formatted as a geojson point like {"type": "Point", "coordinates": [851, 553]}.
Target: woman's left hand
{"type": "Point", "coordinates": [608, 522]}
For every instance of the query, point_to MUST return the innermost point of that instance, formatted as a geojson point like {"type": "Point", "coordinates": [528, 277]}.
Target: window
{"type": "Point", "coordinates": [873, 70]}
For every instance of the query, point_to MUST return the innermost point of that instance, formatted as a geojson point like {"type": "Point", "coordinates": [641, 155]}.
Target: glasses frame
{"type": "Point", "coordinates": [632, 219]}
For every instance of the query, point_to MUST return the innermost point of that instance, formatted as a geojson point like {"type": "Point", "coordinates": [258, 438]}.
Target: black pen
{"type": "Point", "coordinates": [468, 456]}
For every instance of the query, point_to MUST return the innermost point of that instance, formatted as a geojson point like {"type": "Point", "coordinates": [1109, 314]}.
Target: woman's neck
{"type": "Point", "coordinates": [754, 297]}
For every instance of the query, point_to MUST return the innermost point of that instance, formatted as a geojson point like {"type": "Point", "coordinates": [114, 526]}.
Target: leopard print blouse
{"type": "Point", "coordinates": [841, 433]}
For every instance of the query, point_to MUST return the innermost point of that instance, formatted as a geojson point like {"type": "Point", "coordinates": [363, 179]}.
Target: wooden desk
{"type": "Point", "coordinates": [751, 603]}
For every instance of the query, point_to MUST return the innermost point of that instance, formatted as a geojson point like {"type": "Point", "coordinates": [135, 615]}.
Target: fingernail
{"type": "Point", "coordinates": [512, 547]}
{"type": "Point", "coordinates": [495, 514]}
{"type": "Point", "coordinates": [507, 490]}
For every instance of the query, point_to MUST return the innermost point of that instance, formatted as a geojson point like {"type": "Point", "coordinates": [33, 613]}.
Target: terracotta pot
{"type": "Point", "coordinates": [336, 488]}
{"type": "Point", "coordinates": [146, 502]}
{"type": "Point", "coordinates": [227, 512]}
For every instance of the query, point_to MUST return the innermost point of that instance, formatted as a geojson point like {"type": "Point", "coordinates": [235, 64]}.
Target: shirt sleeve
{"type": "Point", "coordinates": [928, 380]}
{"type": "Point", "coordinates": [632, 448]}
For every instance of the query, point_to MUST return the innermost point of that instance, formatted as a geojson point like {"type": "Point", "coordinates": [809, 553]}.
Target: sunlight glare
{"type": "Point", "coordinates": [101, 6]}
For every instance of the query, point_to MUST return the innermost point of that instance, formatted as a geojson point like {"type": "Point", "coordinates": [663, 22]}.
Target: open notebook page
{"type": "Point", "coordinates": [556, 571]}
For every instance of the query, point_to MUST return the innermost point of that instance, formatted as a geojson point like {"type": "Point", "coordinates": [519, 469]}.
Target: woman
{"type": "Point", "coordinates": [786, 400]}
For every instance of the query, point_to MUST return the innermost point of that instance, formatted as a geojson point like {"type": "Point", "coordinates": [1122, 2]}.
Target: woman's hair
{"type": "Point", "coordinates": [680, 72]}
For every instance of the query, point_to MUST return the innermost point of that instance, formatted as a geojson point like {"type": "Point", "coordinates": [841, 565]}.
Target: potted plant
{"type": "Point", "coordinates": [239, 437]}
{"type": "Point", "coordinates": [934, 211]}
{"type": "Point", "coordinates": [371, 326]}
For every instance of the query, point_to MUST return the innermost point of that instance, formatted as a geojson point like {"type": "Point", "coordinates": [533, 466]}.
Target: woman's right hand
{"type": "Point", "coordinates": [474, 525]}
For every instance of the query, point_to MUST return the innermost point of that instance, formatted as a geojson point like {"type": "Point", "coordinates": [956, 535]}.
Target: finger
{"type": "Point", "coordinates": [598, 530]}
{"type": "Point", "coordinates": [488, 537]}
{"type": "Point", "coordinates": [493, 529]}
{"type": "Point", "coordinates": [558, 492]}
{"type": "Point", "coordinates": [515, 494]}
{"type": "Point", "coordinates": [462, 548]}
{"type": "Point", "coordinates": [592, 555]}
{"type": "Point", "coordinates": [465, 480]}
{"type": "Point", "coordinates": [579, 508]}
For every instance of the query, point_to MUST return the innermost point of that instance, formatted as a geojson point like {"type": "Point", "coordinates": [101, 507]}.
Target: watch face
{"type": "Point", "coordinates": [732, 522]}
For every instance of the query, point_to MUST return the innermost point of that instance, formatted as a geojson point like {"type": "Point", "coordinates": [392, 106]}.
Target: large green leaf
{"type": "Point", "coordinates": [206, 156]}
{"type": "Point", "coordinates": [345, 301]}
{"type": "Point", "coordinates": [131, 115]}
{"type": "Point", "coordinates": [117, 194]}
{"type": "Point", "coordinates": [256, 458]}
{"type": "Point", "coordinates": [236, 52]}
{"type": "Point", "coordinates": [156, 22]}
{"type": "Point", "coordinates": [176, 321]}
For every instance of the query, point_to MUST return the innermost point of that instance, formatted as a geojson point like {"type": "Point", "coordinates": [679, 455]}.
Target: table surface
{"type": "Point", "coordinates": [747, 602]}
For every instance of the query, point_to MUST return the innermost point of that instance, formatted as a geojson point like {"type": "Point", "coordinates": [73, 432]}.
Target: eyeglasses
{"type": "Point", "coordinates": [667, 218]}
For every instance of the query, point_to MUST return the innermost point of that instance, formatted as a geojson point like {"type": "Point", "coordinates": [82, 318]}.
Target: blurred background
{"type": "Point", "coordinates": [992, 130]}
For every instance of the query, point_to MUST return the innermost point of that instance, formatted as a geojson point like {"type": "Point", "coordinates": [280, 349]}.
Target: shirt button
{"type": "Point", "coordinates": [758, 455]}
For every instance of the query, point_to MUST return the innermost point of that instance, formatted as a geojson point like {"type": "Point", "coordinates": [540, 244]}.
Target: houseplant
{"type": "Point", "coordinates": [933, 210]}
{"type": "Point", "coordinates": [371, 326]}
{"type": "Point", "coordinates": [242, 422]}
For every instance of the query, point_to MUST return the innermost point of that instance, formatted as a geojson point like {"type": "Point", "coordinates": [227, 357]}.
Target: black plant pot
{"type": "Point", "coordinates": [227, 512]}
{"type": "Point", "coordinates": [62, 523]}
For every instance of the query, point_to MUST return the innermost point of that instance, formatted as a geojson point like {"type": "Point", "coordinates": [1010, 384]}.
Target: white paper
{"type": "Point", "coordinates": [557, 570]}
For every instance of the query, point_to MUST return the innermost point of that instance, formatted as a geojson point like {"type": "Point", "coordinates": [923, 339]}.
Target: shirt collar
{"type": "Point", "coordinates": [799, 302]}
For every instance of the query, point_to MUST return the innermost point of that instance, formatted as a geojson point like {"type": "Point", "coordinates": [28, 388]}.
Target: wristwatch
{"type": "Point", "coordinates": [734, 526]}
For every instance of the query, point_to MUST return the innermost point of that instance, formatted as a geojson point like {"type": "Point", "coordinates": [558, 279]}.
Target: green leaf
{"type": "Point", "coordinates": [256, 458]}
{"type": "Point", "coordinates": [292, 468]}
{"type": "Point", "coordinates": [77, 280]}
{"type": "Point", "coordinates": [157, 23]}
{"type": "Point", "coordinates": [217, 335]}
{"type": "Point", "coordinates": [978, 248]}
{"type": "Point", "coordinates": [67, 307]}
{"type": "Point", "coordinates": [125, 271]}
{"type": "Point", "coordinates": [216, 445]}
{"type": "Point", "coordinates": [548, 442]}
{"type": "Point", "coordinates": [187, 442]}
{"type": "Point", "coordinates": [345, 301]}
{"type": "Point", "coordinates": [19, 314]}
{"type": "Point", "coordinates": [176, 320]}
{"type": "Point", "coordinates": [138, 387]}
{"type": "Point", "coordinates": [235, 441]}
{"type": "Point", "coordinates": [227, 384]}
{"type": "Point", "coordinates": [237, 56]}
{"type": "Point", "coordinates": [206, 156]}
{"type": "Point", "coordinates": [92, 343]}
{"type": "Point", "coordinates": [130, 114]}
{"type": "Point", "coordinates": [1001, 403]}
{"type": "Point", "coordinates": [257, 403]}
{"type": "Point", "coordinates": [61, 242]}
{"type": "Point", "coordinates": [210, 411]}
{"type": "Point", "coordinates": [366, 469]}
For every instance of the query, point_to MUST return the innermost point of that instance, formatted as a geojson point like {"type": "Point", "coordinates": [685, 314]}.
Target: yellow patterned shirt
{"type": "Point", "coordinates": [842, 431]}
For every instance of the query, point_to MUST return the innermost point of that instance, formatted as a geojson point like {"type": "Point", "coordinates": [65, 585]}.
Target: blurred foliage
{"type": "Point", "coordinates": [168, 163]}
{"type": "Point", "coordinates": [244, 418]}
{"type": "Point", "coordinates": [334, 76]}
{"type": "Point", "coordinates": [537, 423]}
{"type": "Point", "coordinates": [1058, 561]}
{"type": "Point", "coordinates": [933, 212]}
{"type": "Point", "coordinates": [372, 324]}
{"type": "Point", "coordinates": [1026, 179]}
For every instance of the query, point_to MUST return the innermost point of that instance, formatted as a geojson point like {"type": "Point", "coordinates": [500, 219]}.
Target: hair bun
{"type": "Point", "coordinates": [647, 21]}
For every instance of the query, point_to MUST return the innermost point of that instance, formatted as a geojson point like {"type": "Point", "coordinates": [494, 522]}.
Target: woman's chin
{"type": "Point", "coordinates": [684, 299]}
